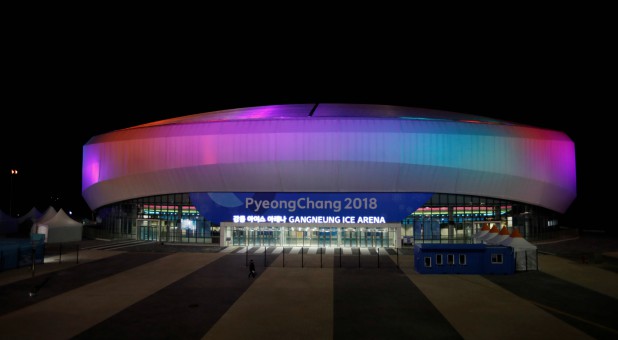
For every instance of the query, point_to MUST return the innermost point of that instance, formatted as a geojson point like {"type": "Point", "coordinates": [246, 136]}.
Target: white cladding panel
{"type": "Point", "coordinates": [332, 154]}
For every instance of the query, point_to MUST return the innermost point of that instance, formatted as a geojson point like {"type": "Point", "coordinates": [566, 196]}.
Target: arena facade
{"type": "Point", "coordinates": [327, 175]}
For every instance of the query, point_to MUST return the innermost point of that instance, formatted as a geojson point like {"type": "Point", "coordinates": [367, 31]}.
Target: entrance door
{"type": "Point", "coordinates": [148, 229]}
{"type": "Point", "coordinates": [293, 236]}
{"type": "Point", "coordinates": [326, 237]}
{"type": "Point", "coordinates": [239, 237]}
{"type": "Point", "coordinates": [260, 236]}
{"type": "Point", "coordinates": [362, 237]}
{"type": "Point", "coordinates": [350, 238]}
{"type": "Point", "coordinates": [379, 237]}
{"type": "Point", "coordinates": [271, 236]}
{"type": "Point", "coordinates": [253, 237]}
{"type": "Point", "coordinates": [314, 237]}
{"type": "Point", "coordinates": [296, 235]}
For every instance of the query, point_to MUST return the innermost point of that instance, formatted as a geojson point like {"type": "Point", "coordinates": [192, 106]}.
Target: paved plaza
{"type": "Point", "coordinates": [152, 291]}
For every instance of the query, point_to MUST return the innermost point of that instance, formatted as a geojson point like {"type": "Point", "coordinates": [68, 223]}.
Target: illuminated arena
{"type": "Point", "coordinates": [326, 175]}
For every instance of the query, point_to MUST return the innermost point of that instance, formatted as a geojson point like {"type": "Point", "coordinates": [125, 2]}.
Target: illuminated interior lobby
{"type": "Point", "coordinates": [326, 175]}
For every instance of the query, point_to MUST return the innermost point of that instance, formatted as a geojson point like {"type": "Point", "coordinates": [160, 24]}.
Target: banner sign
{"type": "Point", "coordinates": [243, 207]}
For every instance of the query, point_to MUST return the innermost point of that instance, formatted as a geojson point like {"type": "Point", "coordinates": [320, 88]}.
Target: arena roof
{"type": "Point", "coordinates": [326, 110]}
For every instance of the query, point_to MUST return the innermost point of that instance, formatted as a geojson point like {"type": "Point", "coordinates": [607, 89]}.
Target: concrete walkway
{"type": "Point", "coordinates": [480, 309]}
{"type": "Point", "coordinates": [189, 295]}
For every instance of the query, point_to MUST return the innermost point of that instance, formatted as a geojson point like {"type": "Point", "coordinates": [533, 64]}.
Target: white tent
{"type": "Point", "coordinates": [484, 230]}
{"type": "Point", "coordinates": [502, 235]}
{"type": "Point", "coordinates": [525, 252]}
{"type": "Point", "coordinates": [31, 216]}
{"type": "Point", "coordinates": [60, 228]}
{"type": "Point", "coordinates": [492, 232]}
{"type": "Point", "coordinates": [47, 215]}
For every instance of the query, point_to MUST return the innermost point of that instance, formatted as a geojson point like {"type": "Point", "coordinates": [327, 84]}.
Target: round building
{"type": "Point", "coordinates": [326, 175]}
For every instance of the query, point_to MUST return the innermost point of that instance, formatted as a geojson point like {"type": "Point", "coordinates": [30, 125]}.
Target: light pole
{"type": "Point", "coordinates": [13, 173]}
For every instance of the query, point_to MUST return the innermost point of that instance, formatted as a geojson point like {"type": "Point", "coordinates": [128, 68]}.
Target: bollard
{"type": "Point", "coordinates": [33, 260]}
{"type": "Point", "coordinates": [339, 257]}
{"type": "Point", "coordinates": [397, 249]}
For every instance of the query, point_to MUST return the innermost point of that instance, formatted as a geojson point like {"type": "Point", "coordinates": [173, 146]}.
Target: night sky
{"type": "Point", "coordinates": [53, 108]}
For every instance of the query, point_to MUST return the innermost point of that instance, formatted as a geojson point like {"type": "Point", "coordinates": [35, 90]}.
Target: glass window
{"type": "Point", "coordinates": [428, 261]}
{"type": "Point", "coordinates": [496, 258]}
{"type": "Point", "coordinates": [439, 260]}
{"type": "Point", "coordinates": [462, 259]}
{"type": "Point", "coordinates": [450, 259]}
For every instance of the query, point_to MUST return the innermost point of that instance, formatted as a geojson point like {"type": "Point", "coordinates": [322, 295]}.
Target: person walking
{"type": "Point", "coordinates": [251, 269]}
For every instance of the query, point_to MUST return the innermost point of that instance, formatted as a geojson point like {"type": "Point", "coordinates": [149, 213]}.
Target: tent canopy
{"type": "Point", "coordinates": [525, 252]}
{"type": "Point", "coordinates": [60, 228]}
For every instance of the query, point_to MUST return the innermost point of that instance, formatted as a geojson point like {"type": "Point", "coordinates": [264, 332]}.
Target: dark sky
{"type": "Point", "coordinates": [53, 107]}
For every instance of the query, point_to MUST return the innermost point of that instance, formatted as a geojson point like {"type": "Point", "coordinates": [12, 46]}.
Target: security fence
{"type": "Point", "coordinates": [315, 257]}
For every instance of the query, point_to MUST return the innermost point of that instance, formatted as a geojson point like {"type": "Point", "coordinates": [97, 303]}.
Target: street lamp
{"type": "Point", "coordinates": [13, 173]}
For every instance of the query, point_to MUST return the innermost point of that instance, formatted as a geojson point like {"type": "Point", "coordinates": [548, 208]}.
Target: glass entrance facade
{"type": "Point", "coordinates": [445, 218]}
{"type": "Point", "coordinates": [300, 235]}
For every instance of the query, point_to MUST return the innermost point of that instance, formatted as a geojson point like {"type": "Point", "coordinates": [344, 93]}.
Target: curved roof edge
{"type": "Point", "coordinates": [326, 110]}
